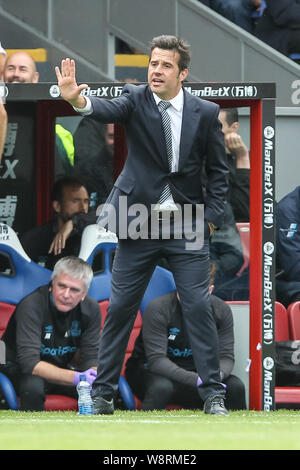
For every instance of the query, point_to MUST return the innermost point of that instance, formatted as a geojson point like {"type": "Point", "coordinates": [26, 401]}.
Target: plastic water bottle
{"type": "Point", "coordinates": [85, 403]}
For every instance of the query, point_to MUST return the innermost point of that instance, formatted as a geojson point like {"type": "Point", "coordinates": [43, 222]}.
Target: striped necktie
{"type": "Point", "coordinates": [166, 122]}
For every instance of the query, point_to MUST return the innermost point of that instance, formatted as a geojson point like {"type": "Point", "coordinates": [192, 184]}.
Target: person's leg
{"type": "Point", "coordinates": [31, 389]}
{"type": "Point", "coordinates": [136, 376]}
{"type": "Point", "coordinates": [133, 266]}
{"type": "Point", "coordinates": [162, 391]}
{"type": "Point", "coordinates": [191, 273]}
{"type": "Point", "coordinates": [287, 292]}
{"type": "Point", "coordinates": [57, 389]}
{"type": "Point", "coordinates": [158, 393]}
{"type": "Point", "coordinates": [187, 397]}
{"type": "Point", "coordinates": [236, 288]}
{"type": "Point", "coordinates": [235, 393]}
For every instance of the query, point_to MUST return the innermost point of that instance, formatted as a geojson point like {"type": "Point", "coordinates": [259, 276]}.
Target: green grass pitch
{"type": "Point", "coordinates": [160, 430]}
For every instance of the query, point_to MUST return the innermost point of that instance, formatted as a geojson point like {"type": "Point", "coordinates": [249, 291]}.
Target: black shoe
{"type": "Point", "coordinates": [214, 405]}
{"type": "Point", "coordinates": [102, 406]}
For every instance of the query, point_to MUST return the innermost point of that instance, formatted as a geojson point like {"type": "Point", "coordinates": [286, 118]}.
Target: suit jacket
{"type": "Point", "coordinates": [146, 171]}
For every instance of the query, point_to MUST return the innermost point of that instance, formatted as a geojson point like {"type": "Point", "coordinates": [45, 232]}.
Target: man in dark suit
{"type": "Point", "coordinates": [162, 188]}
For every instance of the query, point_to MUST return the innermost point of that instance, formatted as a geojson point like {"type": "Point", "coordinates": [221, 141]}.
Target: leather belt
{"type": "Point", "coordinates": [163, 215]}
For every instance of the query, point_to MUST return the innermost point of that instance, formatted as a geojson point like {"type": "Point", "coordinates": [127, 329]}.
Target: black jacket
{"type": "Point", "coordinates": [163, 345]}
{"type": "Point", "coordinates": [36, 241]}
{"type": "Point", "coordinates": [279, 18]}
{"type": "Point", "coordinates": [37, 331]}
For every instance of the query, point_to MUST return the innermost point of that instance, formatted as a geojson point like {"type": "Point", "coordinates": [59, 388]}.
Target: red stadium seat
{"type": "Point", "coordinates": [287, 326]}
{"type": "Point", "coordinates": [134, 333]}
{"type": "Point", "coordinates": [6, 311]}
{"type": "Point", "coordinates": [294, 319]}
{"type": "Point", "coordinates": [60, 403]}
{"type": "Point", "coordinates": [287, 396]}
{"type": "Point", "coordinates": [282, 332]}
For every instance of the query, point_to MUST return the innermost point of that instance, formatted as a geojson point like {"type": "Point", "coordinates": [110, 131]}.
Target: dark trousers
{"type": "Point", "coordinates": [287, 292]}
{"type": "Point", "coordinates": [157, 392]}
{"type": "Point", "coordinates": [33, 389]}
{"type": "Point", "coordinates": [134, 263]}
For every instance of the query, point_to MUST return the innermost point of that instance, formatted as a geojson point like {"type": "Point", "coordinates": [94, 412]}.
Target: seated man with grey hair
{"type": "Point", "coordinates": [53, 335]}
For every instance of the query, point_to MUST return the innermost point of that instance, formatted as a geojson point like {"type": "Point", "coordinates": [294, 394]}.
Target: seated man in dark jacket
{"type": "Point", "coordinates": [239, 165]}
{"type": "Point", "coordinates": [52, 335]}
{"type": "Point", "coordinates": [288, 248]}
{"type": "Point", "coordinates": [61, 236]}
{"type": "Point", "coordinates": [279, 26]}
{"type": "Point", "coordinates": [161, 370]}
{"type": "Point", "coordinates": [226, 253]}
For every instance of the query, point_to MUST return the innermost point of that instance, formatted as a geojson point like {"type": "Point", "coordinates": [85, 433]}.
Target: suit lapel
{"type": "Point", "coordinates": [190, 122]}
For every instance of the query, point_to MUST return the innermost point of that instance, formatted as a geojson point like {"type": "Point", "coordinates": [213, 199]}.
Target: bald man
{"type": "Point", "coordinates": [20, 68]}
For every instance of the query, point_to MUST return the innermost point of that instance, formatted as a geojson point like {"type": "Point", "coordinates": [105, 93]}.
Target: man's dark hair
{"type": "Point", "coordinates": [231, 115]}
{"type": "Point", "coordinates": [57, 193]}
{"type": "Point", "coordinates": [176, 44]}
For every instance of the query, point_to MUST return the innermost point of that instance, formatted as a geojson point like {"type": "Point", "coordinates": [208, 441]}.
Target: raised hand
{"type": "Point", "coordinates": [59, 241]}
{"type": "Point", "coordinates": [69, 89]}
{"type": "Point", "coordinates": [235, 145]}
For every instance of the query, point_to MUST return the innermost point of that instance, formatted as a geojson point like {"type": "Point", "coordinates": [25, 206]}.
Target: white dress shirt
{"type": "Point", "coordinates": [175, 112]}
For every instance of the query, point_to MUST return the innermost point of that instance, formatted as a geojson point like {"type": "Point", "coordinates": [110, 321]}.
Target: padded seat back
{"type": "Point", "coordinates": [293, 312]}
{"type": "Point", "coordinates": [162, 282]}
{"type": "Point", "coordinates": [23, 275]}
{"type": "Point", "coordinates": [282, 331]}
{"type": "Point", "coordinates": [134, 333]}
{"type": "Point", "coordinates": [97, 248]}
{"type": "Point", "coordinates": [6, 311]}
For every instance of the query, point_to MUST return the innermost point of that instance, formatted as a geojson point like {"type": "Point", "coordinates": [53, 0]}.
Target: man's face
{"type": "Point", "coordinates": [164, 77]}
{"type": "Point", "coordinates": [67, 292]}
{"type": "Point", "coordinates": [20, 68]}
{"type": "Point", "coordinates": [225, 127]}
{"type": "Point", "coordinates": [74, 201]}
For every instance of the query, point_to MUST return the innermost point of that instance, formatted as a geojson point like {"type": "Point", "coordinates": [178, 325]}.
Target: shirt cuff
{"type": "Point", "coordinates": [88, 109]}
